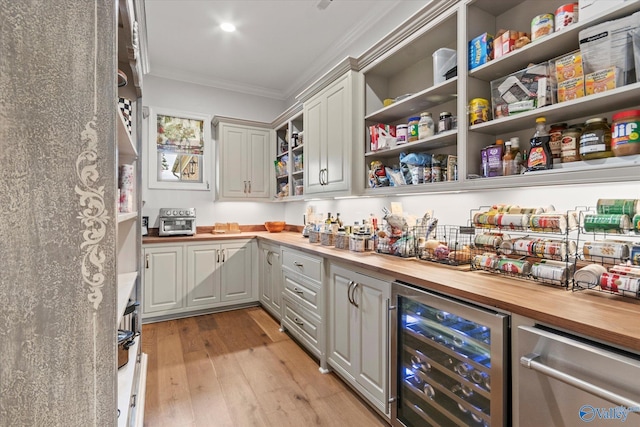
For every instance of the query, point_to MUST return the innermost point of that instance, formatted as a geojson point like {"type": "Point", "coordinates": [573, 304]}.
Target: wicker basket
{"type": "Point", "coordinates": [314, 236]}
{"type": "Point", "coordinates": [327, 239]}
{"type": "Point", "coordinates": [342, 241]}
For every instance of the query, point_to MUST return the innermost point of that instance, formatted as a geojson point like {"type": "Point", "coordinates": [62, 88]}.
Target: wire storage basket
{"type": "Point", "coordinates": [446, 244]}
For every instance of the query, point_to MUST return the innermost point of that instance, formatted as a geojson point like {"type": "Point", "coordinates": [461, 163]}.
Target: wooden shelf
{"type": "Point", "coordinates": [126, 147]}
{"type": "Point", "coordinates": [444, 139]}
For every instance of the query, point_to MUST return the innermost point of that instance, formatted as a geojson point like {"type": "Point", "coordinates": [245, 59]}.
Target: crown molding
{"type": "Point", "coordinates": [347, 64]}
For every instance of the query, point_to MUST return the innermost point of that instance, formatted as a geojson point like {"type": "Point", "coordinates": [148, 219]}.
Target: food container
{"type": "Point", "coordinates": [549, 223]}
{"type": "Point", "coordinates": [484, 262]}
{"type": "Point", "coordinates": [402, 132]}
{"type": "Point", "coordinates": [603, 80]}
{"type": "Point", "coordinates": [634, 255]}
{"type": "Point", "coordinates": [478, 111]}
{"type": "Point", "coordinates": [554, 271]}
{"type": "Point", "coordinates": [626, 270]}
{"type": "Point", "coordinates": [569, 67]}
{"type": "Point", "coordinates": [566, 15]}
{"type": "Point", "coordinates": [625, 133]}
{"type": "Point", "coordinates": [570, 145]}
{"type": "Point", "coordinates": [589, 276]}
{"type": "Point", "coordinates": [314, 236]}
{"type": "Point", "coordinates": [514, 266]}
{"type": "Point", "coordinates": [443, 60]}
{"type": "Point", "coordinates": [327, 238]}
{"type": "Point", "coordinates": [480, 50]}
{"type": "Point", "coordinates": [488, 240]}
{"type": "Point", "coordinates": [611, 223]}
{"type": "Point", "coordinates": [342, 240]}
{"type": "Point", "coordinates": [618, 206]}
{"type": "Point", "coordinates": [571, 89]}
{"type": "Point", "coordinates": [125, 341]}
{"type": "Point", "coordinates": [619, 284]}
{"type": "Point", "coordinates": [541, 25]}
{"type": "Point", "coordinates": [596, 251]}
{"type": "Point", "coordinates": [555, 141]}
{"type": "Point", "coordinates": [595, 141]}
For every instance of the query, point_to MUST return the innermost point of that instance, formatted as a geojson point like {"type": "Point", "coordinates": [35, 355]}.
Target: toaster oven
{"type": "Point", "coordinates": [177, 222]}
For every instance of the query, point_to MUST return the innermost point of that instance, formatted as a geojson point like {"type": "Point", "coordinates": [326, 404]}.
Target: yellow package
{"type": "Point", "coordinates": [603, 80]}
{"type": "Point", "coordinates": [569, 67]}
{"type": "Point", "coordinates": [571, 89]}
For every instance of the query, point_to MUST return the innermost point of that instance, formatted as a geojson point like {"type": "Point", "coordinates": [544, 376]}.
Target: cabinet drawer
{"type": "Point", "coordinates": [303, 292]}
{"type": "Point", "coordinates": [303, 325]}
{"type": "Point", "coordinates": [304, 264]}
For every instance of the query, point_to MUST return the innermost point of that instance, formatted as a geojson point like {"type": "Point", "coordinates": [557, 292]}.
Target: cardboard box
{"type": "Point", "coordinates": [569, 67]}
{"type": "Point", "coordinates": [505, 43]}
{"type": "Point", "coordinates": [527, 89]}
{"type": "Point", "coordinates": [571, 89]}
{"type": "Point", "coordinates": [588, 9]}
{"type": "Point", "coordinates": [603, 80]}
{"type": "Point", "coordinates": [480, 50]}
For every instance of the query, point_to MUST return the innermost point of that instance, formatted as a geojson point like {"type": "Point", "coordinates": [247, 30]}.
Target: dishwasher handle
{"type": "Point", "coordinates": [529, 361]}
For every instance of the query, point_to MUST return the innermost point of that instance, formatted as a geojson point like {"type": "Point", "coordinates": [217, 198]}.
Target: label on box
{"type": "Point", "coordinates": [569, 67]}
{"type": "Point", "coordinates": [602, 81]}
{"type": "Point", "coordinates": [480, 50]}
{"type": "Point", "coordinates": [571, 89]}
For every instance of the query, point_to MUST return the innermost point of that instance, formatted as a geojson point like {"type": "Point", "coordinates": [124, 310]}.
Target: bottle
{"type": "Point", "coordinates": [507, 160]}
{"type": "Point", "coordinates": [595, 141]}
{"type": "Point", "coordinates": [518, 162]}
{"type": "Point", "coordinates": [338, 220]}
{"type": "Point", "coordinates": [412, 133]}
{"type": "Point", "coordinates": [426, 126]}
{"type": "Point", "coordinates": [540, 157]}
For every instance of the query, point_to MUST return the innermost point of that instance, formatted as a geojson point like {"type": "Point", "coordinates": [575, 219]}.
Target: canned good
{"type": "Point", "coordinates": [515, 266]}
{"type": "Point", "coordinates": [512, 221]}
{"type": "Point", "coordinates": [487, 240]}
{"type": "Point", "coordinates": [541, 25]}
{"type": "Point", "coordinates": [636, 223]}
{"type": "Point", "coordinates": [484, 262]}
{"type": "Point", "coordinates": [605, 249]}
{"type": "Point", "coordinates": [634, 255]}
{"type": "Point", "coordinates": [566, 15]}
{"type": "Point", "coordinates": [550, 249]}
{"type": "Point", "coordinates": [611, 223]}
{"type": "Point", "coordinates": [619, 284]}
{"type": "Point", "coordinates": [617, 206]}
{"type": "Point", "coordinates": [548, 223]}
{"type": "Point", "coordinates": [524, 246]}
{"type": "Point", "coordinates": [625, 270]}
{"type": "Point", "coordinates": [549, 271]}
{"type": "Point", "coordinates": [478, 111]}
{"type": "Point", "coordinates": [445, 122]}
{"type": "Point", "coordinates": [589, 276]}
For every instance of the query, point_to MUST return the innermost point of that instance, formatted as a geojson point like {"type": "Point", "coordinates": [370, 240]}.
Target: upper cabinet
{"type": "Point", "coordinates": [243, 159]}
{"type": "Point", "coordinates": [331, 111]}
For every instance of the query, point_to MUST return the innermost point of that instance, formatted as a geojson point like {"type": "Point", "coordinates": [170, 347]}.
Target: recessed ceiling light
{"type": "Point", "coordinates": [228, 27]}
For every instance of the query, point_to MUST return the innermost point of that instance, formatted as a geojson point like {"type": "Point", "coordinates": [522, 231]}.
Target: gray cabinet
{"type": "Point", "coordinates": [270, 280]}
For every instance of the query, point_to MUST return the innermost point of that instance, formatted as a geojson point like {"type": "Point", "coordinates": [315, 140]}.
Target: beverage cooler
{"type": "Point", "coordinates": [449, 361]}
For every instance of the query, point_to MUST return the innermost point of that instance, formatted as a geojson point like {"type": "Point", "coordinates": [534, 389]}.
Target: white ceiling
{"type": "Point", "coordinates": [279, 45]}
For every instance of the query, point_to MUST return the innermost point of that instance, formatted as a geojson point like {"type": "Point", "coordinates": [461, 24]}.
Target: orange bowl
{"type": "Point", "coordinates": [274, 226]}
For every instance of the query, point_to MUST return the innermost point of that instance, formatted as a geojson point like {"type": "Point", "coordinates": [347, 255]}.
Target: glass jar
{"type": "Point", "coordinates": [444, 123]}
{"type": "Point", "coordinates": [555, 142]}
{"type": "Point", "coordinates": [412, 133]}
{"type": "Point", "coordinates": [570, 144]}
{"type": "Point", "coordinates": [595, 141]}
{"type": "Point", "coordinates": [426, 126]}
{"type": "Point", "coordinates": [625, 133]}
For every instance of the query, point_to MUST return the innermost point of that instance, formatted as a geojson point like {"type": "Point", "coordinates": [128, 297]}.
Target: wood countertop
{"type": "Point", "coordinates": [603, 316]}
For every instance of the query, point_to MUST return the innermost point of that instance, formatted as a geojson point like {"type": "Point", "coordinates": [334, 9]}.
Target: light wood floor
{"type": "Point", "coordinates": [236, 369]}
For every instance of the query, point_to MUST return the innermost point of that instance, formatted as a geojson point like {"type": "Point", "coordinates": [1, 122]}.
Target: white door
{"type": "Point", "coordinates": [203, 275]}
{"type": "Point", "coordinates": [236, 271]}
{"type": "Point", "coordinates": [314, 158]}
{"type": "Point", "coordinates": [257, 158]}
{"type": "Point", "coordinates": [265, 283]}
{"type": "Point", "coordinates": [342, 321]}
{"type": "Point", "coordinates": [372, 296]}
{"type": "Point", "coordinates": [275, 277]}
{"type": "Point", "coordinates": [338, 142]}
{"type": "Point", "coordinates": [163, 279]}
{"type": "Point", "coordinates": [233, 165]}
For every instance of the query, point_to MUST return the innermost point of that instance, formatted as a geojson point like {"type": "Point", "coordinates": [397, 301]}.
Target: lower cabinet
{"type": "Point", "coordinates": [358, 332]}
{"type": "Point", "coordinates": [196, 276]}
{"type": "Point", "coordinates": [270, 280]}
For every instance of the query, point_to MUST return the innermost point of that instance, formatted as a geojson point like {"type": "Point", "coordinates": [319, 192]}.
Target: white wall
{"type": "Point", "coordinates": [454, 209]}
{"type": "Point", "coordinates": [193, 98]}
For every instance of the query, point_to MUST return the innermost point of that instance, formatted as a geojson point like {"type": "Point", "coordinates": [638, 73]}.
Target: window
{"type": "Point", "coordinates": [179, 146]}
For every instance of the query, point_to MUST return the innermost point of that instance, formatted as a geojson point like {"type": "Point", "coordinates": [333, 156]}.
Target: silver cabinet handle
{"type": "Point", "coordinates": [298, 264]}
{"type": "Point", "coordinates": [320, 176]}
{"type": "Point", "coordinates": [298, 322]}
{"type": "Point", "coordinates": [353, 294]}
{"type": "Point", "coordinates": [224, 255]}
{"type": "Point", "coordinates": [269, 253]}
{"type": "Point", "coordinates": [529, 361]}
{"type": "Point", "coordinates": [298, 291]}
{"type": "Point", "coordinates": [351, 283]}
{"type": "Point", "coordinates": [249, 186]}
{"type": "Point", "coordinates": [245, 187]}
{"type": "Point", "coordinates": [217, 255]}
{"type": "Point", "coordinates": [146, 261]}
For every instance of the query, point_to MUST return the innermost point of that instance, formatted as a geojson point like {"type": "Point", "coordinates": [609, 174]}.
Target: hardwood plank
{"type": "Point", "coordinates": [207, 399]}
{"type": "Point", "coordinates": [240, 372]}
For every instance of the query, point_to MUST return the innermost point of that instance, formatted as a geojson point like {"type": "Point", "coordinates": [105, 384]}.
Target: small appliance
{"type": "Point", "coordinates": [177, 221]}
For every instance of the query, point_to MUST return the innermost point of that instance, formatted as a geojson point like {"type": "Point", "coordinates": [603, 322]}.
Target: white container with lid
{"type": "Point", "coordinates": [444, 60]}
{"type": "Point", "coordinates": [401, 134]}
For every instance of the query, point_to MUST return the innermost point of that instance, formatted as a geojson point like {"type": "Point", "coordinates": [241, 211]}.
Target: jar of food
{"type": "Point", "coordinates": [444, 123]}
{"type": "Point", "coordinates": [625, 133]}
{"type": "Point", "coordinates": [555, 142]}
{"type": "Point", "coordinates": [478, 111]}
{"type": "Point", "coordinates": [570, 144]}
{"type": "Point", "coordinates": [426, 126]}
{"type": "Point", "coordinates": [401, 134]}
{"type": "Point", "coordinates": [595, 141]}
{"type": "Point", "coordinates": [412, 133]}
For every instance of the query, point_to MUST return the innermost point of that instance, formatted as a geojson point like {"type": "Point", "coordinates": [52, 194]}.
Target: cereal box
{"type": "Point", "coordinates": [603, 80]}
{"type": "Point", "coordinates": [571, 89]}
{"type": "Point", "coordinates": [569, 67]}
{"type": "Point", "coordinates": [480, 50]}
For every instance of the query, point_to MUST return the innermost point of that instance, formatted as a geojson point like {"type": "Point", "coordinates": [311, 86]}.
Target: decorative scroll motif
{"type": "Point", "coordinates": [93, 214]}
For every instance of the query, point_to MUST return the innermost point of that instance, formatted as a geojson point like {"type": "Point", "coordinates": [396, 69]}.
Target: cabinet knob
{"type": "Point", "coordinates": [298, 291]}
{"type": "Point", "coordinates": [298, 264]}
{"type": "Point", "coordinates": [298, 322]}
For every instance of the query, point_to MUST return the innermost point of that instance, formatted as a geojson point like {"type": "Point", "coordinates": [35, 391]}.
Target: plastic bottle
{"type": "Point", "coordinates": [512, 160]}
{"type": "Point", "coordinates": [507, 160]}
{"type": "Point", "coordinates": [540, 156]}
{"type": "Point", "coordinates": [426, 126]}
{"type": "Point", "coordinates": [518, 160]}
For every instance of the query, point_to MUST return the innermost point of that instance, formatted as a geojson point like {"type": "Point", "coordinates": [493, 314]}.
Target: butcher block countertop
{"type": "Point", "coordinates": [599, 315]}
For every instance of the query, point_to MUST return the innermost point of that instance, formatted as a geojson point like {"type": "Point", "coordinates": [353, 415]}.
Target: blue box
{"type": "Point", "coordinates": [480, 50]}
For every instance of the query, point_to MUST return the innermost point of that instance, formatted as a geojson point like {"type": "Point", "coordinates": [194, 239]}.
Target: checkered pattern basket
{"type": "Point", "coordinates": [125, 107]}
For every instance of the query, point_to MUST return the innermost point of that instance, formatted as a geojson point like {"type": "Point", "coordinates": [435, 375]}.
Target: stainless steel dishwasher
{"type": "Point", "coordinates": [449, 361]}
{"type": "Point", "coordinates": [567, 381]}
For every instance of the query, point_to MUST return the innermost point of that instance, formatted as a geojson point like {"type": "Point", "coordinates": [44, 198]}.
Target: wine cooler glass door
{"type": "Point", "coordinates": [449, 365]}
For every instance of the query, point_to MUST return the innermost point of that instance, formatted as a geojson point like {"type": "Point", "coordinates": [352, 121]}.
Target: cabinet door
{"type": "Point", "coordinates": [257, 160]}
{"type": "Point", "coordinates": [163, 279]}
{"type": "Point", "coordinates": [275, 278]}
{"type": "Point", "coordinates": [203, 275]}
{"type": "Point", "coordinates": [236, 271]}
{"type": "Point", "coordinates": [342, 319]}
{"type": "Point", "coordinates": [372, 370]}
{"type": "Point", "coordinates": [337, 148]}
{"type": "Point", "coordinates": [233, 165]}
{"type": "Point", "coordinates": [314, 156]}
{"type": "Point", "coordinates": [265, 284]}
